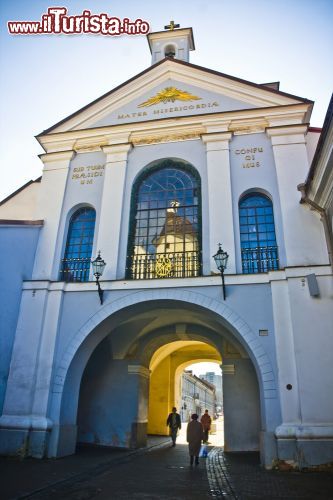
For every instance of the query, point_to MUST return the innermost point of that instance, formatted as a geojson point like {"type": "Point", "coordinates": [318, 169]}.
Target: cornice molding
{"type": "Point", "coordinates": [157, 139]}
{"type": "Point", "coordinates": [21, 223]}
{"type": "Point", "coordinates": [27, 422]}
{"type": "Point", "coordinates": [321, 183]}
{"type": "Point", "coordinates": [118, 148]}
{"type": "Point", "coordinates": [238, 121]}
{"type": "Point", "coordinates": [310, 431]}
{"type": "Point", "coordinates": [168, 35]}
{"type": "Point", "coordinates": [178, 283]}
{"type": "Point", "coordinates": [89, 144]}
{"type": "Point", "coordinates": [166, 134]}
{"type": "Point", "coordinates": [320, 190]}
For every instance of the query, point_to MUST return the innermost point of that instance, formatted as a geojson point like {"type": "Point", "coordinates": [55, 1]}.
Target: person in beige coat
{"type": "Point", "coordinates": [194, 437]}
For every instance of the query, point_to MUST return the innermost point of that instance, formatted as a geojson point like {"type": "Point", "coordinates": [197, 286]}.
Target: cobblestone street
{"type": "Point", "coordinates": [159, 472]}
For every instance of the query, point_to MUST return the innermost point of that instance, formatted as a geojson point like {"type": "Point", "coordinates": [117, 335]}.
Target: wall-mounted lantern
{"type": "Point", "coordinates": [221, 261]}
{"type": "Point", "coordinates": [98, 266]}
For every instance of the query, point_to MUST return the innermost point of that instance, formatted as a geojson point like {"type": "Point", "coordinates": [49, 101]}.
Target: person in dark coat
{"type": "Point", "coordinates": [206, 423]}
{"type": "Point", "coordinates": [174, 423]}
{"type": "Point", "coordinates": [194, 436]}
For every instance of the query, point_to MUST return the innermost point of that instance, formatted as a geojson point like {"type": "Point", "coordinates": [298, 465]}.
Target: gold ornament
{"type": "Point", "coordinates": [166, 138]}
{"type": "Point", "coordinates": [163, 267]}
{"type": "Point", "coordinates": [169, 94]}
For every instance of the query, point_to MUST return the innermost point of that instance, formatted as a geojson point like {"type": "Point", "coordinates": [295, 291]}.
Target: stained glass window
{"type": "Point", "coordinates": [75, 265]}
{"type": "Point", "coordinates": [165, 232]}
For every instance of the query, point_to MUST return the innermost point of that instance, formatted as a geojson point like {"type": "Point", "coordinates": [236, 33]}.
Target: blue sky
{"type": "Point", "coordinates": [46, 78]}
{"type": "Point", "coordinates": [201, 368]}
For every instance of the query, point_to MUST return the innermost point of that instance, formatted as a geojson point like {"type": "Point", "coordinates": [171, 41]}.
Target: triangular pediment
{"type": "Point", "coordinates": [172, 98]}
{"type": "Point", "coordinates": [172, 89]}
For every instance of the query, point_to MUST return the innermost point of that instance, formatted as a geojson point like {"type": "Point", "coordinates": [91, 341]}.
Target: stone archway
{"type": "Point", "coordinates": [239, 327]}
{"type": "Point", "coordinates": [69, 372]}
{"type": "Point", "coordinates": [166, 367]}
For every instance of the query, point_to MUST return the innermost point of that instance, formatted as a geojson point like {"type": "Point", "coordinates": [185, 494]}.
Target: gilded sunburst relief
{"type": "Point", "coordinates": [169, 94]}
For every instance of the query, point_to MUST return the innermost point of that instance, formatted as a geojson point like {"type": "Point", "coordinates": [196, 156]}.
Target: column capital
{"type": "Point", "coordinates": [228, 369]}
{"type": "Point", "coordinates": [139, 370]}
{"type": "Point", "coordinates": [113, 138]}
{"type": "Point", "coordinates": [58, 157]}
{"type": "Point", "coordinates": [216, 137]}
{"type": "Point", "coordinates": [216, 141]}
{"type": "Point", "coordinates": [287, 134]}
{"type": "Point", "coordinates": [117, 152]}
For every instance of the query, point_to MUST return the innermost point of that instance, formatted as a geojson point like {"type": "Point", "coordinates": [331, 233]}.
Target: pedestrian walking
{"type": "Point", "coordinates": [174, 423]}
{"type": "Point", "coordinates": [206, 423]}
{"type": "Point", "coordinates": [194, 436]}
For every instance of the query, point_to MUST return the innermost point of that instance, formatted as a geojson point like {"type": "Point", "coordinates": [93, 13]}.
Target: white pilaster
{"type": "Point", "coordinates": [221, 224]}
{"type": "Point", "coordinates": [46, 352]}
{"type": "Point", "coordinates": [29, 379]}
{"type": "Point", "coordinates": [49, 208]}
{"type": "Point", "coordinates": [285, 353]}
{"type": "Point", "coordinates": [111, 207]}
{"type": "Point", "coordinates": [291, 162]}
{"type": "Point", "coordinates": [20, 386]}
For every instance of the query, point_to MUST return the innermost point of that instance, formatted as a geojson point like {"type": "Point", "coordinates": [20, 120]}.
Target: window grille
{"type": "Point", "coordinates": [257, 234]}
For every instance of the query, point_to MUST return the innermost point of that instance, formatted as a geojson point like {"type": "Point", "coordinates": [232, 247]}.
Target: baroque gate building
{"type": "Point", "coordinates": [154, 175]}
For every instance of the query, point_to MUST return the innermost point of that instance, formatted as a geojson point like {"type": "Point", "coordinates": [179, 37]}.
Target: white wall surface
{"type": "Point", "coordinates": [312, 139]}
{"type": "Point", "coordinates": [304, 237]}
{"type": "Point", "coordinates": [79, 194]}
{"type": "Point", "coordinates": [261, 178]}
{"type": "Point", "coordinates": [312, 323]}
{"type": "Point", "coordinates": [22, 206]}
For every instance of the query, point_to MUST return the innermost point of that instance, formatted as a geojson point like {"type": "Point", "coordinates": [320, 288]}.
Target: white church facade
{"type": "Point", "coordinates": [155, 175]}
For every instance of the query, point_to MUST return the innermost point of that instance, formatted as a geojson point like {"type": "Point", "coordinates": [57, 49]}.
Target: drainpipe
{"type": "Point", "coordinates": [324, 219]}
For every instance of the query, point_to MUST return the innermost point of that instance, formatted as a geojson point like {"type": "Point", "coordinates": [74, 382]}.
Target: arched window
{"type": "Point", "coordinates": [165, 227]}
{"type": "Point", "coordinates": [170, 51]}
{"type": "Point", "coordinates": [257, 234]}
{"type": "Point", "coordinates": [75, 265]}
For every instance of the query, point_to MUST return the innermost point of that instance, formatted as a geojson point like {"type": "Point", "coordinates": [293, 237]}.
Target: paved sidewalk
{"type": "Point", "coordinates": [20, 478]}
{"type": "Point", "coordinates": [240, 476]}
{"type": "Point", "coordinates": [159, 472]}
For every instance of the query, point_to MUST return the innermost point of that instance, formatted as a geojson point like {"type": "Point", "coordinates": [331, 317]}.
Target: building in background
{"type": "Point", "coordinates": [216, 380]}
{"type": "Point", "coordinates": [197, 396]}
{"type": "Point", "coordinates": [155, 175]}
{"type": "Point", "coordinates": [317, 191]}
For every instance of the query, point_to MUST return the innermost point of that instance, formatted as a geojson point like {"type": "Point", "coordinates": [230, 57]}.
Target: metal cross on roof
{"type": "Point", "coordinates": [171, 26]}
